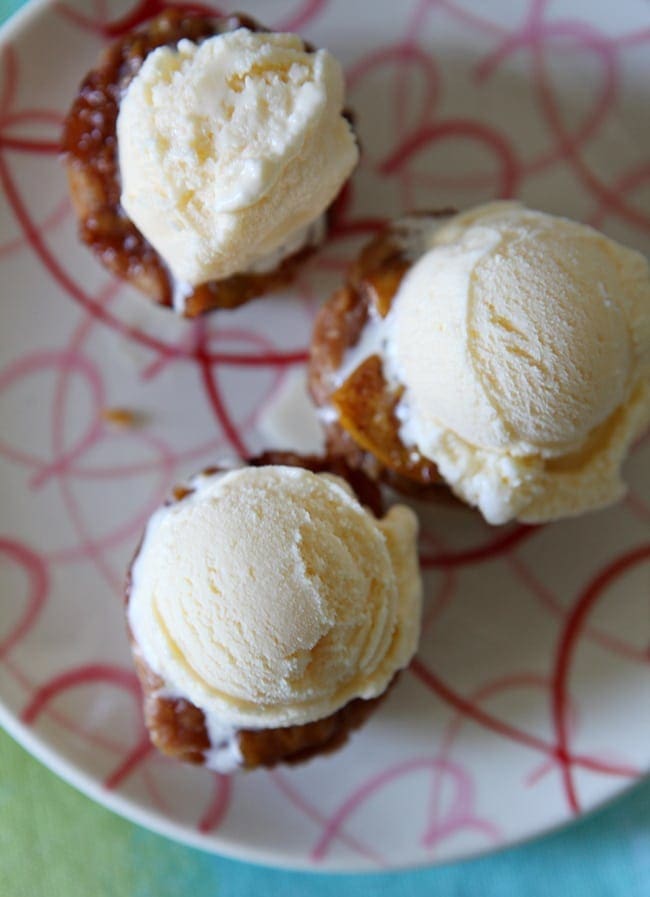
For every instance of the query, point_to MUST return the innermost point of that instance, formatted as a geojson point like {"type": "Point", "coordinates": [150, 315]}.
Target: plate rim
{"type": "Point", "coordinates": [131, 810]}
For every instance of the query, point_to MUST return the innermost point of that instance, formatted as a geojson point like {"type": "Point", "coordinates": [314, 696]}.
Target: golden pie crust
{"type": "Point", "coordinates": [359, 413]}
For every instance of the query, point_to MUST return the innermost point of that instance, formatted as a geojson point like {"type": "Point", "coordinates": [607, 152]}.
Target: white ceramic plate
{"type": "Point", "coordinates": [528, 703]}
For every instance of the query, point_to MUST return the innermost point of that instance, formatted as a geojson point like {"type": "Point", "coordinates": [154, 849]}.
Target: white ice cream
{"type": "Point", "coordinates": [231, 148]}
{"type": "Point", "coordinates": [270, 597]}
{"type": "Point", "coordinates": [523, 343]}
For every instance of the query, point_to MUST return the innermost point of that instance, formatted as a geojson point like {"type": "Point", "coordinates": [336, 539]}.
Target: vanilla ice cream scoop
{"type": "Point", "coordinates": [270, 597]}
{"type": "Point", "coordinates": [230, 149]}
{"type": "Point", "coordinates": [522, 343]}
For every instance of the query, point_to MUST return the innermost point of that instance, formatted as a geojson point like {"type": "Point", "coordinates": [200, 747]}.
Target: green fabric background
{"type": "Point", "coordinates": [56, 843]}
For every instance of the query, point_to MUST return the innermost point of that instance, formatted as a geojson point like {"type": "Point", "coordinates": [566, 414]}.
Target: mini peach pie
{"type": "Point", "coordinates": [270, 608]}
{"type": "Point", "coordinates": [203, 154]}
{"type": "Point", "coordinates": [503, 352]}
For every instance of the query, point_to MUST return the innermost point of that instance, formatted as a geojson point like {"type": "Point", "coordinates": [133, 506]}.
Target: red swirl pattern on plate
{"type": "Point", "coordinates": [482, 725]}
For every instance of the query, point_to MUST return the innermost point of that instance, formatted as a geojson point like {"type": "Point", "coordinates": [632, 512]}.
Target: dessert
{"type": "Point", "coordinates": [270, 611]}
{"type": "Point", "coordinates": [203, 154]}
{"type": "Point", "coordinates": [502, 351]}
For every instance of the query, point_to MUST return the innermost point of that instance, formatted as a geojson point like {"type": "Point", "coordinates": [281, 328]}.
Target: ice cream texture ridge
{"type": "Point", "coordinates": [521, 341]}
{"type": "Point", "coordinates": [229, 149]}
{"type": "Point", "coordinates": [271, 597]}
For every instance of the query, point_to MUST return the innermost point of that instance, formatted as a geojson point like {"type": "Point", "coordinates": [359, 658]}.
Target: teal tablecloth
{"type": "Point", "coordinates": [56, 843]}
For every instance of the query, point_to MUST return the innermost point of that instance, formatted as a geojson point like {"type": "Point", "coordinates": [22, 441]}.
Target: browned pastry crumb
{"type": "Point", "coordinates": [124, 418]}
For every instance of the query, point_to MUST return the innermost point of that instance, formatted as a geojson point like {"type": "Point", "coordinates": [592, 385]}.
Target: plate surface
{"type": "Point", "coordinates": [528, 702]}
